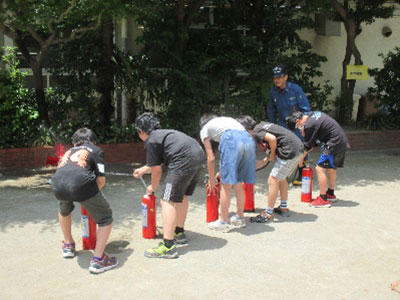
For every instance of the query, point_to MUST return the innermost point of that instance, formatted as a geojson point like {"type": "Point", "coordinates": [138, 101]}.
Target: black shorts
{"type": "Point", "coordinates": [332, 161]}
{"type": "Point", "coordinates": [177, 185]}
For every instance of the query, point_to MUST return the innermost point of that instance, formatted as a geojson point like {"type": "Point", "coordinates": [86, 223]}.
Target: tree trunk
{"type": "Point", "coordinates": [40, 95]}
{"type": "Point", "coordinates": [106, 76]}
{"type": "Point", "coordinates": [347, 86]}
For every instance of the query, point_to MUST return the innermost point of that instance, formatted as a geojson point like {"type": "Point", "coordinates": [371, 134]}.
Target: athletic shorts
{"type": "Point", "coordinates": [284, 167]}
{"type": "Point", "coordinates": [177, 185]}
{"type": "Point", "coordinates": [237, 157]}
{"type": "Point", "coordinates": [97, 206]}
{"type": "Point", "coordinates": [332, 161]}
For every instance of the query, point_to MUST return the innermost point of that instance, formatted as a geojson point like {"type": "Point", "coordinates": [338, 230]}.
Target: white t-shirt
{"type": "Point", "coordinates": [216, 127]}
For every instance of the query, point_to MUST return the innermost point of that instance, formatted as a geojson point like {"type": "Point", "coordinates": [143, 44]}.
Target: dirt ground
{"type": "Point", "coordinates": [348, 251]}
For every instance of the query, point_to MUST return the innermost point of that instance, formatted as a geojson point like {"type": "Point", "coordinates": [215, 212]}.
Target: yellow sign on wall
{"type": "Point", "coordinates": [356, 72]}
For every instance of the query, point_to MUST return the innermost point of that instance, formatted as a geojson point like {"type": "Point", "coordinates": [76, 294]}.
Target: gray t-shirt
{"type": "Point", "coordinates": [214, 128]}
{"type": "Point", "coordinates": [288, 144]}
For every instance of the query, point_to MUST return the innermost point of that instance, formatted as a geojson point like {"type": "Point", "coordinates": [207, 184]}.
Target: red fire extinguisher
{"type": "Point", "coordinates": [88, 230]}
{"type": "Point", "coordinates": [149, 216]}
{"type": "Point", "coordinates": [149, 208]}
{"type": "Point", "coordinates": [249, 197]}
{"type": "Point", "coordinates": [212, 203]}
{"type": "Point", "coordinates": [306, 184]}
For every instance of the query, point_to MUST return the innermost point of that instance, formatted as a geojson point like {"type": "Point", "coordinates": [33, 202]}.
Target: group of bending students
{"type": "Point", "coordinates": [80, 174]}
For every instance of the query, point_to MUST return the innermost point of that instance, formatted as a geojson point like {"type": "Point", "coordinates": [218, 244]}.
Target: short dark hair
{"type": "Point", "coordinates": [247, 122]}
{"type": "Point", "coordinates": [206, 118]}
{"type": "Point", "coordinates": [292, 118]}
{"type": "Point", "coordinates": [82, 136]}
{"type": "Point", "coordinates": [147, 122]}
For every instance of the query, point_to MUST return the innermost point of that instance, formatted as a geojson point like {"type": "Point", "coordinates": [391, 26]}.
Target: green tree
{"type": "Point", "coordinates": [353, 14]}
{"type": "Point", "coordinates": [42, 24]}
{"type": "Point", "coordinates": [19, 116]}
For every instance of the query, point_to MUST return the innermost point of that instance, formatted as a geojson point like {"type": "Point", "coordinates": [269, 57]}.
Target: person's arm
{"type": "Point", "coordinates": [141, 171]}
{"type": "Point", "coordinates": [210, 163]}
{"type": "Point", "coordinates": [101, 181]}
{"type": "Point", "coordinates": [271, 109]}
{"type": "Point", "coordinates": [261, 163]}
{"type": "Point", "coordinates": [273, 143]}
{"type": "Point", "coordinates": [156, 172]}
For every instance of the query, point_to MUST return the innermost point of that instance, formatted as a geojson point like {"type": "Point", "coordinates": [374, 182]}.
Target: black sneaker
{"type": "Point", "coordinates": [262, 218]}
{"type": "Point", "coordinates": [180, 239]}
{"type": "Point", "coordinates": [284, 212]}
{"type": "Point", "coordinates": [99, 266]}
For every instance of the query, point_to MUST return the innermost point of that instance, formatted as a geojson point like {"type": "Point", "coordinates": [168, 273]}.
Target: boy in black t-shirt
{"type": "Point", "coordinates": [286, 149]}
{"type": "Point", "coordinates": [320, 129]}
{"type": "Point", "coordinates": [184, 158]}
{"type": "Point", "coordinates": [79, 178]}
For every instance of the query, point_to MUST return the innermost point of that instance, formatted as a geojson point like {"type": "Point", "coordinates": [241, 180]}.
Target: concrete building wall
{"type": "Point", "coordinates": [370, 43]}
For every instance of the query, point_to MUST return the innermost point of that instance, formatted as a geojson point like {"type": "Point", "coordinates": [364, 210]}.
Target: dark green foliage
{"type": "Point", "coordinates": [225, 66]}
{"type": "Point", "coordinates": [387, 90]}
{"type": "Point", "coordinates": [19, 116]}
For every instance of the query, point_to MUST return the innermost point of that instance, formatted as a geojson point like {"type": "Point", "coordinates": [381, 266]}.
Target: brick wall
{"type": "Point", "coordinates": [134, 152]}
{"type": "Point", "coordinates": [365, 140]}
{"type": "Point", "coordinates": [30, 158]}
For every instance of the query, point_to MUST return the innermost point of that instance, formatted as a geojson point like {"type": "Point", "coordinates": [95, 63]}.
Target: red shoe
{"type": "Point", "coordinates": [331, 198]}
{"type": "Point", "coordinates": [319, 202]}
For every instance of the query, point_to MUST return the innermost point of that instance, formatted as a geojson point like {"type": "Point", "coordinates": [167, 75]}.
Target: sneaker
{"type": "Point", "coordinates": [162, 251]}
{"type": "Point", "coordinates": [331, 198]}
{"type": "Point", "coordinates": [238, 222]}
{"type": "Point", "coordinates": [68, 250]}
{"type": "Point", "coordinates": [105, 264]}
{"type": "Point", "coordinates": [262, 218]}
{"type": "Point", "coordinates": [218, 225]}
{"type": "Point", "coordinates": [284, 212]}
{"type": "Point", "coordinates": [319, 202]}
{"type": "Point", "coordinates": [180, 239]}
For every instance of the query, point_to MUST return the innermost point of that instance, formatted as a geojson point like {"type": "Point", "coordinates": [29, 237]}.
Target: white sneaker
{"type": "Point", "coordinates": [238, 222]}
{"type": "Point", "coordinates": [218, 225]}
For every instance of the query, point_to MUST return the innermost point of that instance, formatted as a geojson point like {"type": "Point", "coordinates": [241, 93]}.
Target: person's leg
{"type": "Point", "coordinates": [65, 223]}
{"type": "Point", "coordinates": [181, 212]}
{"type": "Point", "coordinates": [322, 180]}
{"type": "Point", "coordinates": [101, 213]}
{"type": "Point", "coordinates": [273, 188]}
{"type": "Point", "coordinates": [331, 178]}
{"type": "Point", "coordinates": [225, 201]}
{"type": "Point", "coordinates": [65, 219]}
{"type": "Point", "coordinates": [169, 218]}
{"type": "Point", "coordinates": [240, 199]}
{"type": "Point", "coordinates": [283, 190]}
{"type": "Point", "coordinates": [103, 233]}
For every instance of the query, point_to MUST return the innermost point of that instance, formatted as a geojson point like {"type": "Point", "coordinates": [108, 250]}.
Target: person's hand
{"type": "Point", "coordinates": [211, 188]}
{"type": "Point", "coordinates": [272, 157]}
{"type": "Point", "coordinates": [138, 172]}
{"type": "Point", "coordinates": [150, 190]}
{"type": "Point", "coordinates": [218, 177]}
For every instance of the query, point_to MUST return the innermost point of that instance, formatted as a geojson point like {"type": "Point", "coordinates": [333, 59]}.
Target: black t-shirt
{"type": "Point", "coordinates": [174, 149]}
{"type": "Point", "coordinates": [75, 177]}
{"type": "Point", "coordinates": [288, 144]}
{"type": "Point", "coordinates": [322, 130]}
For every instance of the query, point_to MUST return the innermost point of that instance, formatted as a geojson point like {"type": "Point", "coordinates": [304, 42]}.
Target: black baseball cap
{"type": "Point", "coordinates": [279, 71]}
